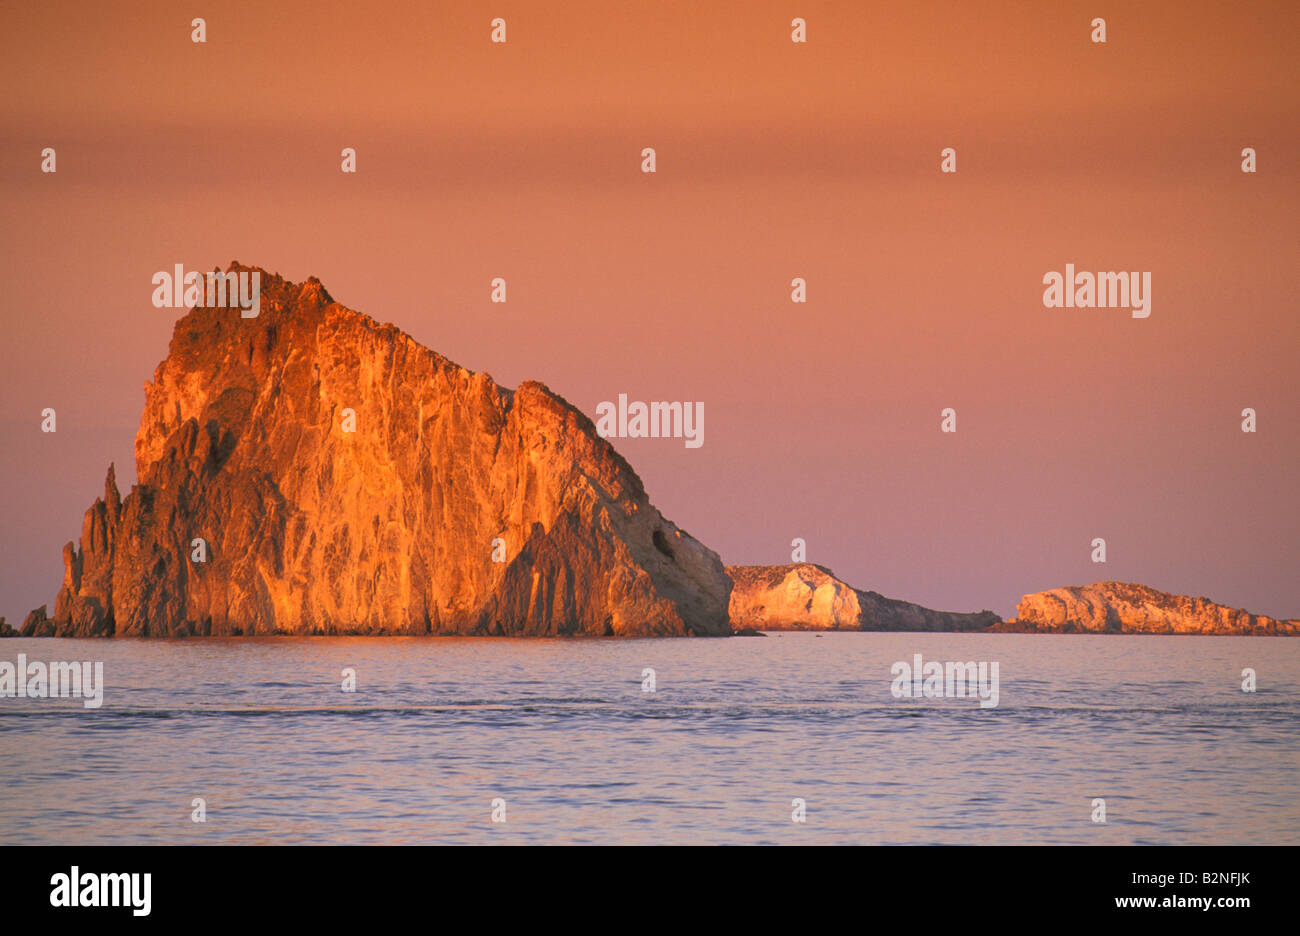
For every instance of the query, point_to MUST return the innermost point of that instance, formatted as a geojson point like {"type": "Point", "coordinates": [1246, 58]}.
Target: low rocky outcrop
{"type": "Point", "coordinates": [37, 624]}
{"type": "Point", "coordinates": [6, 630]}
{"type": "Point", "coordinates": [805, 596]}
{"type": "Point", "coordinates": [312, 471]}
{"type": "Point", "coordinates": [1124, 608]}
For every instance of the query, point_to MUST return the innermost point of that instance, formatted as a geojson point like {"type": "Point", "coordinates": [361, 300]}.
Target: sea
{"type": "Point", "coordinates": [784, 739]}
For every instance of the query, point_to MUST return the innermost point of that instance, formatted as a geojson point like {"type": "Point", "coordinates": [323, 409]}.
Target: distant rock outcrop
{"type": "Point", "coordinates": [455, 507]}
{"type": "Point", "coordinates": [809, 597]}
{"type": "Point", "coordinates": [1124, 608]}
{"type": "Point", "coordinates": [36, 624]}
{"type": "Point", "coordinates": [6, 630]}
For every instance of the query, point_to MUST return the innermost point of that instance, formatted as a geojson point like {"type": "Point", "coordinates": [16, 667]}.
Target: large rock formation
{"type": "Point", "coordinates": [809, 597]}
{"type": "Point", "coordinates": [1123, 608]}
{"type": "Point", "coordinates": [389, 529]}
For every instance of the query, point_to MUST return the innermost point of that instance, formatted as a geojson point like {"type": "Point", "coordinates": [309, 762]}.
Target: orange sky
{"type": "Point", "coordinates": [775, 160]}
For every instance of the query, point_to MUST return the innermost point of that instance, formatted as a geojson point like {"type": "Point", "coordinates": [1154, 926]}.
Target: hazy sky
{"type": "Point", "coordinates": [775, 160]}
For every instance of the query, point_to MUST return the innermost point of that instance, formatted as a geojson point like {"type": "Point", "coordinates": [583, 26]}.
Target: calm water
{"type": "Point", "coordinates": [562, 730]}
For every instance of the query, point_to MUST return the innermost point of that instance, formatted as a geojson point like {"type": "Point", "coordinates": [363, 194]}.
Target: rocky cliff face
{"type": "Point", "coordinates": [810, 597]}
{"type": "Point", "coordinates": [391, 528]}
{"type": "Point", "coordinates": [1123, 608]}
